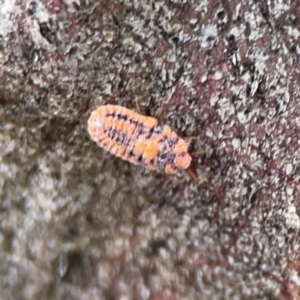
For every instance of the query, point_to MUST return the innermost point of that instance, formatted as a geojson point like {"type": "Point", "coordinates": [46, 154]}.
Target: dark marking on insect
{"type": "Point", "coordinates": [138, 139]}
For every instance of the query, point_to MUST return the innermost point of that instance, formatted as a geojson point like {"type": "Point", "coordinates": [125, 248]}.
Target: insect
{"type": "Point", "coordinates": [138, 139]}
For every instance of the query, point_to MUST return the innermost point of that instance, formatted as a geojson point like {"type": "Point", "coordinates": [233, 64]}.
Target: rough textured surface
{"type": "Point", "coordinates": [77, 223]}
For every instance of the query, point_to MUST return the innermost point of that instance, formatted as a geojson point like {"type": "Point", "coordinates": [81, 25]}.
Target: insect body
{"type": "Point", "coordinates": [138, 139]}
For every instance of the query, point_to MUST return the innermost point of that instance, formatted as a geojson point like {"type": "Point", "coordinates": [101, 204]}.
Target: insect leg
{"type": "Point", "coordinates": [192, 175]}
{"type": "Point", "coordinates": [190, 137]}
{"type": "Point", "coordinates": [137, 105]}
{"type": "Point", "coordinates": [159, 113]}
{"type": "Point", "coordinates": [198, 153]}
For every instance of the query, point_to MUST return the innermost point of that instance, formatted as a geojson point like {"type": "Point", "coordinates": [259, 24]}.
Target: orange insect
{"type": "Point", "coordinates": [138, 139]}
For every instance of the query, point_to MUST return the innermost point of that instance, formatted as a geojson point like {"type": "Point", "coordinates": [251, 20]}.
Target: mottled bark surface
{"type": "Point", "coordinates": [77, 223]}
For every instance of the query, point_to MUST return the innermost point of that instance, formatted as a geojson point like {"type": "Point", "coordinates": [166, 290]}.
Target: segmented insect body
{"type": "Point", "coordinates": [138, 139]}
